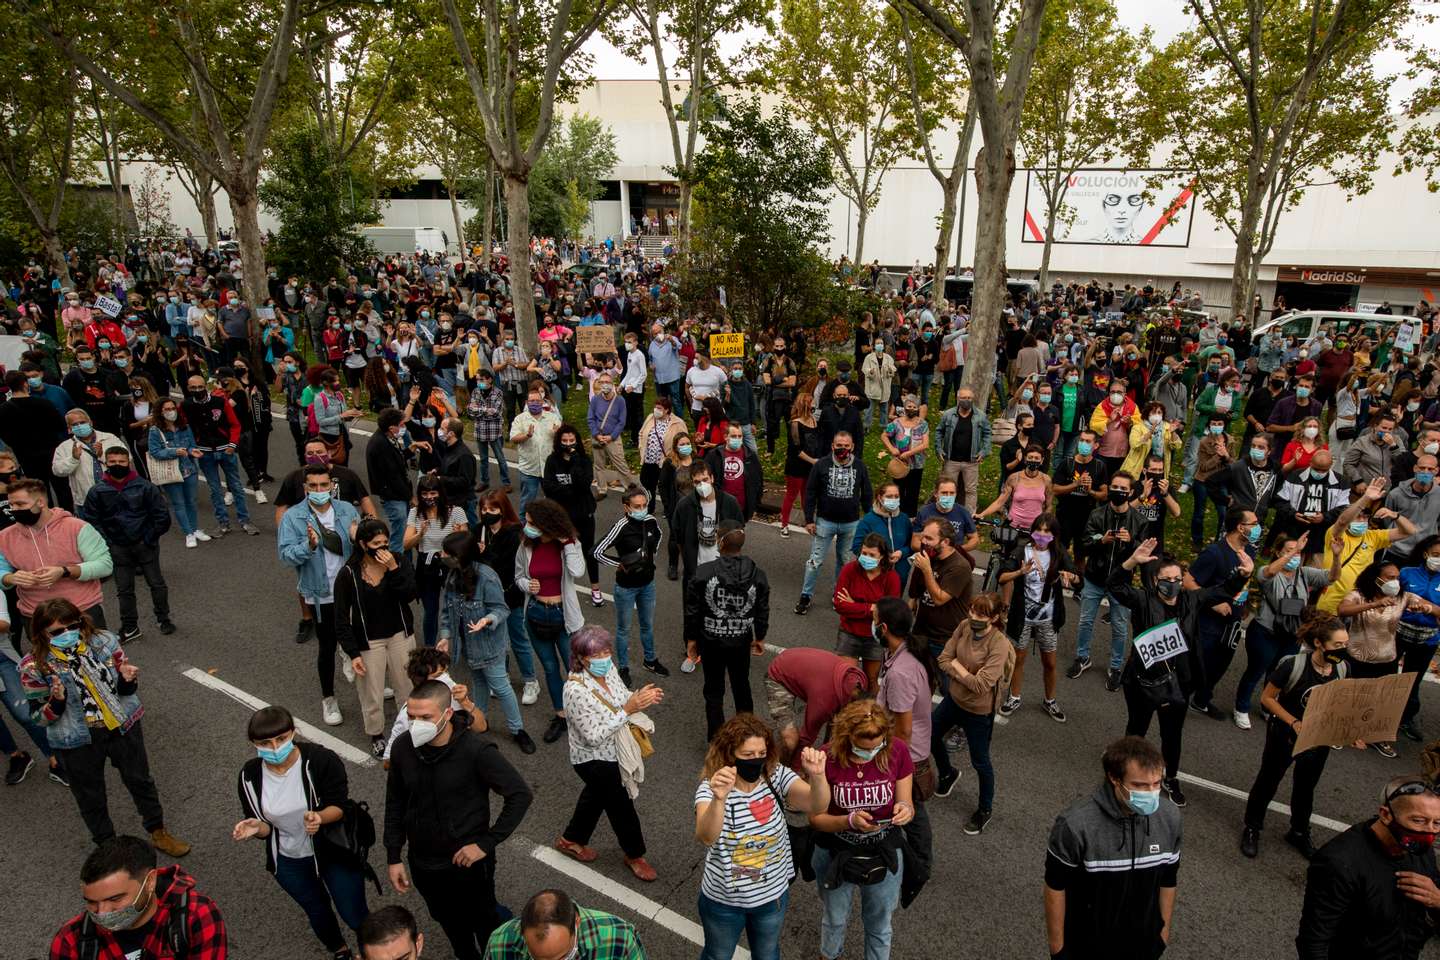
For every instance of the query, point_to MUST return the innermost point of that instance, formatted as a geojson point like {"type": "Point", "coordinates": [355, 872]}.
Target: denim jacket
{"type": "Point", "coordinates": [457, 612]}
{"type": "Point", "coordinates": [67, 730]}
{"type": "Point", "coordinates": [295, 551]}
{"type": "Point", "coordinates": [164, 443]}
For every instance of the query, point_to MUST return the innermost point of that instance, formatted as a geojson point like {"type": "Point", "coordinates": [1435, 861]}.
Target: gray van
{"type": "Point", "coordinates": [959, 289]}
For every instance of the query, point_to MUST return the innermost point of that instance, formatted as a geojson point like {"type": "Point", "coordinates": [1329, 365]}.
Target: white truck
{"type": "Point", "coordinates": [408, 240]}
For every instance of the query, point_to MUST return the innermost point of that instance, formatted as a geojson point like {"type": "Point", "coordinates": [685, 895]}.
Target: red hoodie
{"type": "Point", "coordinates": [855, 617]}
{"type": "Point", "coordinates": [826, 682]}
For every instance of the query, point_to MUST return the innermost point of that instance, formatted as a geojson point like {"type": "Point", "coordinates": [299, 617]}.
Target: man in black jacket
{"type": "Point", "coordinates": [727, 614]}
{"type": "Point", "coordinates": [1371, 892]}
{"type": "Point", "coordinates": [837, 494]}
{"type": "Point", "coordinates": [696, 523]}
{"type": "Point", "coordinates": [1112, 532]}
{"type": "Point", "coordinates": [437, 799]}
{"type": "Point", "coordinates": [737, 470]}
{"type": "Point", "coordinates": [132, 515]}
{"type": "Point", "coordinates": [458, 467]}
{"type": "Point", "coordinates": [387, 463]}
{"type": "Point", "coordinates": [842, 416]}
{"type": "Point", "coordinates": [630, 547]}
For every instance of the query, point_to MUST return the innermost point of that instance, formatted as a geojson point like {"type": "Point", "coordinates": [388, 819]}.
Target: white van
{"type": "Point", "coordinates": [958, 289]}
{"type": "Point", "coordinates": [1304, 325]}
{"type": "Point", "coordinates": [406, 240]}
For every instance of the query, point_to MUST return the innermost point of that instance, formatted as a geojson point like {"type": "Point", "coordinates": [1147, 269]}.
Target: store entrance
{"type": "Point", "coordinates": [654, 208]}
{"type": "Point", "coordinates": [1317, 296]}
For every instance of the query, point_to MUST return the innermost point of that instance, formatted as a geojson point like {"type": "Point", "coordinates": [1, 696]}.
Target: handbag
{"type": "Point", "coordinates": [642, 737]}
{"type": "Point", "coordinates": [897, 469]}
{"type": "Point", "coordinates": [1162, 691]}
{"type": "Point", "coordinates": [802, 841]}
{"type": "Point", "coordinates": [163, 472]}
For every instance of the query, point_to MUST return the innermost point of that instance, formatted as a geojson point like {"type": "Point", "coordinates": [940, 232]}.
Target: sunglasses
{"type": "Point", "coordinates": [1413, 788]}
{"type": "Point", "coordinates": [57, 629]}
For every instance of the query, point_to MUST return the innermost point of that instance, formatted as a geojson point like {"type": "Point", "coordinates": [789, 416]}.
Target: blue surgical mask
{"type": "Point", "coordinates": [946, 502]}
{"type": "Point", "coordinates": [867, 562]}
{"type": "Point", "coordinates": [1083, 447]}
{"type": "Point", "coordinates": [35, 382]}
{"type": "Point", "coordinates": [1293, 563]}
{"type": "Point", "coordinates": [1302, 393]}
{"type": "Point", "coordinates": [1144, 802]}
{"type": "Point", "coordinates": [121, 363]}
{"type": "Point", "coordinates": [599, 666]}
{"type": "Point", "coordinates": [67, 640]}
{"type": "Point", "coordinates": [277, 756]}
{"type": "Point", "coordinates": [1026, 394]}
{"type": "Point", "coordinates": [1253, 534]}
{"type": "Point", "coordinates": [1358, 527]}
{"type": "Point", "coordinates": [684, 449]}
{"type": "Point", "coordinates": [1216, 429]}
{"type": "Point", "coordinates": [733, 443]}
{"type": "Point", "coordinates": [1425, 476]}
{"type": "Point", "coordinates": [318, 498]}
{"type": "Point", "coordinates": [82, 430]}
{"type": "Point", "coordinates": [890, 503]}
{"type": "Point", "coordinates": [1257, 454]}
{"type": "Point", "coordinates": [87, 364]}
{"type": "Point", "coordinates": [867, 755]}
{"type": "Point", "coordinates": [427, 422]}
{"type": "Point", "coordinates": [640, 514]}
{"type": "Point", "coordinates": [532, 531]}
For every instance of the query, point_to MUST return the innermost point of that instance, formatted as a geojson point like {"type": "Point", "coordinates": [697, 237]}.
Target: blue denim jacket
{"type": "Point", "coordinates": [457, 612]}
{"type": "Point", "coordinates": [294, 547]}
{"type": "Point", "coordinates": [163, 444]}
{"type": "Point", "coordinates": [68, 730]}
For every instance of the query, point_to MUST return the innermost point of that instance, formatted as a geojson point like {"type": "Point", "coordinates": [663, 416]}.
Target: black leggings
{"type": "Point", "coordinates": [910, 492]}
{"type": "Point", "coordinates": [325, 646]}
{"type": "Point", "coordinates": [634, 408]}
{"type": "Point", "coordinates": [1139, 710]}
{"type": "Point", "coordinates": [1279, 742]}
{"type": "Point", "coordinates": [776, 414]}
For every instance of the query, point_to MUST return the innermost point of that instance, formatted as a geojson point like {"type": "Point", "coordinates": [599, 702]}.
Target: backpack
{"type": "Point", "coordinates": [355, 835]}
{"type": "Point", "coordinates": [1297, 669]}
{"type": "Point", "coordinates": [949, 358]}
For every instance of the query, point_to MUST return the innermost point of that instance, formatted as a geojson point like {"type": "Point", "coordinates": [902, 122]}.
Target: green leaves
{"type": "Point", "coordinates": [581, 151]}
{"type": "Point", "coordinates": [320, 201]}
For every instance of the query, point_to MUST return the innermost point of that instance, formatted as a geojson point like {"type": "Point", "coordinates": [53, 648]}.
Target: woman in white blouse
{"type": "Point", "coordinates": [599, 708]}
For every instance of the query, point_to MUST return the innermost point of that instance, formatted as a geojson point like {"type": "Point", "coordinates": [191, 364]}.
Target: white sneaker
{"type": "Point", "coordinates": [229, 498]}
{"type": "Point", "coordinates": [330, 711]}
{"type": "Point", "coordinates": [260, 496]}
{"type": "Point", "coordinates": [203, 537]}
{"type": "Point", "coordinates": [1242, 720]}
{"type": "Point", "coordinates": [688, 665]}
{"type": "Point", "coordinates": [389, 694]}
{"type": "Point", "coordinates": [347, 669]}
{"type": "Point", "coordinates": [1184, 488]}
{"type": "Point", "coordinates": [190, 541]}
{"type": "Point", "coordinates": [530, 693]}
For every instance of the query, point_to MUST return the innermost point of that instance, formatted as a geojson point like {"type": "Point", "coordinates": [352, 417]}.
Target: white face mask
{"type": "Point", "coordinates": [1391, 588]}
{"type": "Point", "coordinates": [1155, 419]}
{"type": "Point", "coordinates": [1433, 563]}
{"type": "Point", "coordinates": [423, 731]}
{"type": "Point", "coordinates": [1311, 433]}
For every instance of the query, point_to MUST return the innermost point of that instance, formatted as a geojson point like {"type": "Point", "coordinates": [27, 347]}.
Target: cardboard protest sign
{"type": "Point", "coordinates": [595, 339]}
{"type": "Point", "coordinates": [1343, 711]}
{"type": "Point", "coordinates": [727, 346]}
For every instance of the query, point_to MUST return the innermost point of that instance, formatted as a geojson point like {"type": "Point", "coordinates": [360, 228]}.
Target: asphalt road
{"type": "Point", "coordinates": [235, 607]}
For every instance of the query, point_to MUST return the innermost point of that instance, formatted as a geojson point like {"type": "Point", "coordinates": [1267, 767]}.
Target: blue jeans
{"type": "Point", "coordinates": [494, 448]}
{"type": "Point", "coordinates": [493, 676]}
{"type": "Point", "coordinates": [552, 645]}
{"type": "Point", "coordinates": [395, 512]}
{"type": "Point", "coordinates": [211, 464]}
{"type": "Point", "coordinates": [877, 903]}
{"type": "Point", "coordinates": [445, 379]}
{"type": "Point", "coordinates": [529, 491]}
{"type": "Point", "coordinates": [1197, 512]}
{"type": "Point", "coordinates": [747, 430]}
{"type": "Point", "coordinates": [344, 886]}
{"type": "Point", "coordinates": [1263, 649]}
{"type": "Point", "coordinates": [843, 534]}
{"type": "Point", "coordinates": [15, 703]}
{"type": "Point", "coordinates": [1090, 596]}
{"type": "Point", "coordinates": [724, 924]}
{"type": "Point", "coordinates": [948, 715]}
{"type": "Point", "coordinates": [925, 380]}
{"type": "Point", "coordinates": [182, 502]}
{"type": "Point", "coordinates": [1192, 458]}
{"type": "Point", "coordinates": [642, 600]}
{"type": "Point", "coordinates": [520, 642]}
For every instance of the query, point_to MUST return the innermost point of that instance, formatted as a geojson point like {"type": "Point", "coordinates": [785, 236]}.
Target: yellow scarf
{"type": "Point", "coordinates": [84, 670]}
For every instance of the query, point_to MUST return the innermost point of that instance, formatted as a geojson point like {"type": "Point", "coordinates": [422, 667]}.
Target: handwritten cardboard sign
{"type": "Point", "coordinates": [595, 339]}
{"type": "Point", "coordinates": [1343, 711]}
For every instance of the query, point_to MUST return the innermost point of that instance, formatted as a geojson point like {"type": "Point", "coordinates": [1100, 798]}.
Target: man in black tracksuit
{"type": "Point", "coordinates": [727, 615]}
{"type": "Point", "coordinates": [630, 547]}
{"type": "Point", "coordinates": [437, 799]}
{"type": "Point", "coordinates": [1111, 863]}
{"type": "Point", "coordinates": [132, 515]}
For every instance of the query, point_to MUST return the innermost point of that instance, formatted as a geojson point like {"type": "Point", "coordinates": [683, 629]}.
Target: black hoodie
{"type": "Point", "coordinates": [437, 799]}
{"type": "Point", "coordinates": [728, 603]}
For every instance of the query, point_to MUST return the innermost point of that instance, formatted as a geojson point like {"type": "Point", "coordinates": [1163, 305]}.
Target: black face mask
{"type": "Point", "coordinates": [26, 518]}
{"type": "Point", "coordinates": [197, 395]}
{"type": "Point", "coordinates": [491, 519]}
{"type": "Point", "coordinates": [118, 471]}
{"type": "Point", "coordinates": [842, 402]}
{"type": "Point", "coordinates": [1169, 589]}
{"type": "Point", "coordinates": [750, 770]}
{"type": "Point", "coordinates": [1118, 497]}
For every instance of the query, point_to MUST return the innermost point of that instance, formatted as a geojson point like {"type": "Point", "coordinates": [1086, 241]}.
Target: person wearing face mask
{"type": "Point", "coordinates": [727, 616]}
{"type": "Point", "coordinates": [974, 662]}
{"type": "Point", "coordinates": [437, 802]}
{"type": "Point", "coordinates": [1321, 659]}
{"type": "Point", "coordinates": [606, 756]}
{"type": "Point", "coordinates": [315, 539]}
{"type": "Point", "coordinates": [31, 427]}
{"type": "Point", "coordinates": [80, 458]}
{"type": "Point", "coordinates": [83, 690]}
{"type": "Point", "coordinates": [963, 440]}
{"type": "Point", "coordinates": [294, 797]}
{"type": "Point", "coordinates": [211, 415]}
{"type": "Point", "coordinates": [835, 495]}
{"type": "Point", "coordinates": [1358, 541]}
{"type": "Point", "coordinates": [1111, 422]}
{"type": "Point", "coordinates": [131, 514]}
{"type": "Point", "coordinates": [134, 908]}
{"type": "Point", "coordinates": [1309, 502]}
{"type": "Point", "coordinates": [485, 408]}
{"type": "Point", "coordinates": [1027, 492]}
{"type": "Point", "coordinates": [553, 925]}
{"type": "Point", "coordinates": [387, 463]}
{"type": "Point", "coordinates": [738, 469]}
{"type": "Point", "coordinates": [1379, 876]}
{"type": "Point", "coordinates": [741, 403]}
{"type": "Point", "coordinates": [1151, 435]}
{"type": "Point", "coordinates": [605, 417]}
{"type": "Point", "coordinates": [1090, 914]}
{"type": "Point", "coordinates": [1417, 500]}
{"type": "Point", "coordinates": [1110, 535]}
{"type": "Point", "coordinates": [534, 431]}
{"type": "Point", "coordinates": [569, 476]}
{"type": "Point", "coordinates": [1037, 615]}
{"type": "Point", "coordinates": [635, 542]}
{"type": "Point", "coordinates": [871, 778]}
{"type": "Point", "coordinates": [906, 439]}
{"type": "Point", "coordinates": [878, 370]}
{"type": "Point", "coordinates": [1373, 452]}
{"type": "Point", "coordinates": [656, 440]}
{"type": "Point", "coordinates": [498, 536]}
{"type": "Point", "coordinates": [1252, 482]}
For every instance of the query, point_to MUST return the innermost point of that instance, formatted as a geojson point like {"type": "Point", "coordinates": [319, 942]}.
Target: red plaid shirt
{"type": "Point", "coordinates": [204, 927]}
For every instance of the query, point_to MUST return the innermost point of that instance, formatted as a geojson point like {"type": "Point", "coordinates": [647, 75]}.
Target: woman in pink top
{"type": "Point", "coordinates": [1027, 493]}
{"type": "Point", "coordinates": [1111, 422]}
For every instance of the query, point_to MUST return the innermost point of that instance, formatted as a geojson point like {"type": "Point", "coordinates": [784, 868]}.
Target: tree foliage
{"type": "Point", "coordinates": [1419, 144]}
{"type": "Point", "coordinates": [580, 153]}
{"type": "Point", "coordinates": [758, 221]}
{"type": "Point", "coordinates": [321, 202]}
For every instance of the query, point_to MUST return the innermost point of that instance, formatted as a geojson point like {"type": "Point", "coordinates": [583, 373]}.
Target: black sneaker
{"type": "Point", "coordinates": [129, 635]}
{"type": "Point", "coordinates": [1386, 750]}
{"type": "Point", "coordinates": [1172, 787]}
{"type": "Point", "coordinates": [1412, 731]}
{"type": "Point", "coordinates": [304, 631]}
{"type": "Point", "coordinates": [802, 606]}
{"type": "Point", "coordinates": [1250, 842]}
{"type": "Point", "coordinates": [556, 730]}
{"type": "Point", "coordinates": [523, 741]}
{"type": "Point", "coordinates": [1112, 680]}
{"type": "Point", "coordinates": [20, 765]}
{"type": "Point", "coordinates": [673, 572]}
{"type": "Point", "coordinates": [1053, 709]}
{"type": "Point", "coordinates": [167, 627]}
{"type": "Point", "coordinates": [1009, 706]}
{"type": "Point", "coordinates": [57, 775]}
{"type": "Point", "coordinates": [1300, 840]}
{"type": "Point", "coordinates": [946, 783]}
{"type": "Point", "coordinates": [625, 676]}
{"type": "Point", "coordinates": [657, 668]}
{"type": "Point", "coordinates": [977, 822]}
{"type": "Point", "coordinates": [1080, 665]}
{"type": "Point", "coordinates": [224, 531]}
{"type": "Point", "coordinates": [377, 746]}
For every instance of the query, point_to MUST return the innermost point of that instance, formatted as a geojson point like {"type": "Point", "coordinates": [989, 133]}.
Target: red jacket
{"type": "Point", "coordinates": [855, 616]}
{"type": "Point", "coordinates": [198, 932]}
{"type": "Point", "coordinates": [104, 329]}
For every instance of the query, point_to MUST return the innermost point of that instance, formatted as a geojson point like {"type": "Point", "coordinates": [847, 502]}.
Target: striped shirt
{"type": "Point", "coordinates": [750, 863]}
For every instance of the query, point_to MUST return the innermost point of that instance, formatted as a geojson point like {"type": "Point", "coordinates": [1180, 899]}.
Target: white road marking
{"type": "Point", "coordinates": [311, 732]}
{"type": "Point", "coordinates": [1315, 818]}
{"type": "Point", "coordinates": [679, 925]}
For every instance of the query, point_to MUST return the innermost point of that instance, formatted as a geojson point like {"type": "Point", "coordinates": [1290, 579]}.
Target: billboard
{"type": "Point", "coordinates": [1133, 208]}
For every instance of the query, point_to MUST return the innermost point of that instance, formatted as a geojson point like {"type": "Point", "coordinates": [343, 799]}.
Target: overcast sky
{"type": "Point", "coordinates": [1165, 17]}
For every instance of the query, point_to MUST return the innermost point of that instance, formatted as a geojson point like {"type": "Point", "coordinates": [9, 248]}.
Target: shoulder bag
{"type": "Point", "coordinates": [163, 472]}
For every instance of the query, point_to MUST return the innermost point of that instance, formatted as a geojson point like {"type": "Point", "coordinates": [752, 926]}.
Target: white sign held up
{"type": "Point", "coordinates": [1160, 643]}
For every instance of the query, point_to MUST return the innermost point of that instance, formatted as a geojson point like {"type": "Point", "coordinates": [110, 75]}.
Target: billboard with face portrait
{"type": "Point", "coordinates": [1136, 208]}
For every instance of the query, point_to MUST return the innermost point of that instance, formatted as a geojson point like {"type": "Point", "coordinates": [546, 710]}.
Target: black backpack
{"type": "Point", "coordinates": [176, 934]}
{"type": "Point", "coordinates": [354, 834]}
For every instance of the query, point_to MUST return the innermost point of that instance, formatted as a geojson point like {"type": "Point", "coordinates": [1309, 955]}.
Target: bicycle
{"type": "Point", "coordinates": [1004, 536]}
